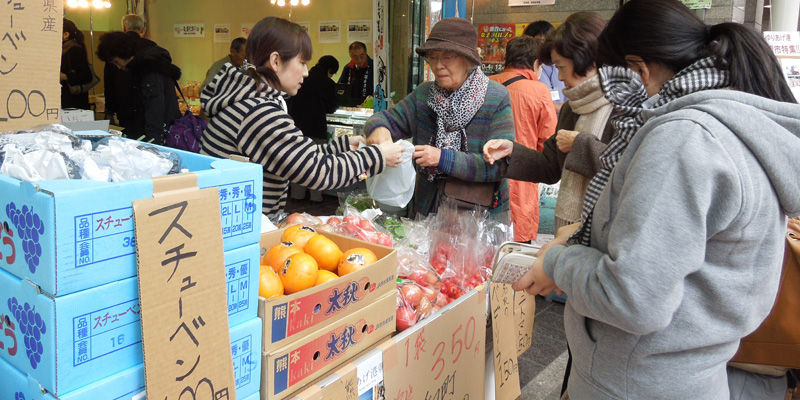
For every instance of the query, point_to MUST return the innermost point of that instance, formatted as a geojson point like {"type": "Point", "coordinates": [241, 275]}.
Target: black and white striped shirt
{"type": "Point", "coordinates": [254, 124]}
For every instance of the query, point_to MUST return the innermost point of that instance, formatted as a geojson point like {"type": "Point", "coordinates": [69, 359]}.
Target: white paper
{"type": "Point", "coordinates": [514, 3]}
{"type": "Point", "coordinates": [222, 33]}
{"type": "Point", "coordinates": [246, 29]}
{"type": "Point", "coordinates": [359, 30]}
{"type": "Point", "coordinates": [370, 372]}
{"type": "Point", "coordinates": [330, 31]}
{"type": "Point", "coordinates": [190, 30]}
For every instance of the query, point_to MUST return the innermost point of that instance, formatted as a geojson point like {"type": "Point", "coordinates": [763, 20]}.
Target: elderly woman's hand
{"type": "Point", "coordinates": [564, 139]}
{"type": "Point", "coordinates": [379, 135]}
{"type": "Point", "coordinates": [427, 156]}
{"type": "Point", "coordinates": [497, 149]}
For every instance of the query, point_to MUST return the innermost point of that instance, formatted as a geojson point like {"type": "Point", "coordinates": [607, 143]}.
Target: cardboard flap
{"type": "Point", "coordinates": [504, 335]}
{"type": "Point", "coordinates": [174, 185]}
{"type": "Point", "coordinates": [182, 290]}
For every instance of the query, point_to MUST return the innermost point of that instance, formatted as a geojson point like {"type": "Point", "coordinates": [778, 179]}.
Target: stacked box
{"type": "Point", "coordinates": [129, 384]}
{"type": "Point", "coordinates": [71, 235]}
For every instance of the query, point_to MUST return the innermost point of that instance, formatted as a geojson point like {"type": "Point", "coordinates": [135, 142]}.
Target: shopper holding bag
{"type": "Point", "coordinates": [679, 255]}
{"type": "Point", "coordinates": [249, 118]}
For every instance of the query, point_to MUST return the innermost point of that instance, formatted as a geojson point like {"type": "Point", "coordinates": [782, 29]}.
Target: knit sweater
{"type": "Point", "coordinates": [253, 123]}
{"type": "Point", "coordinates": [413, 118]}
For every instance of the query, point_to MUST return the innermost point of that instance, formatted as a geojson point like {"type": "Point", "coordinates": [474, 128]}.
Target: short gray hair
{"type": "Point", "coordinates": [132, 22]}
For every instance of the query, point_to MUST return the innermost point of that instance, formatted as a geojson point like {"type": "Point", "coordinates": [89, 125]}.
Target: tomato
{"type": "Point", "coordinates": [418, 276]}
{"type": "Point", "coordinates": [412, 294]}
{"type": "Point", "coordinates": [406, 318]}
{"type": "Point", "coordinates": [333, 221]}
{"type": "Point", "coordinates": [441, 299]}
{"type": "Point", "coordinates": [424, 308]}
{"type": "Point", "coordinates": [367, 225]}
{"type": "Point", "coordinates": [384, 239]}
{"type": "Point", "coordinates": [351, 219]}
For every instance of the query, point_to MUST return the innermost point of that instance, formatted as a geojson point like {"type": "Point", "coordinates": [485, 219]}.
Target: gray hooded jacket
{"type": "Point", "coordinates": [687, 247]}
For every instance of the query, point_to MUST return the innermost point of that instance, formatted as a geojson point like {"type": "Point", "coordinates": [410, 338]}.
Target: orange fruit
{"type": "Point", "coordinates": [324, 276]}
{"type": "Point", "coordinates": [277, 255]}
{"type": "Point", "coordinates": [269, 283]}
{"type": "Point", "coordinates": [324, 251]}
{"type": "Point", "coordinates": [354, 259]}
{"type": "Point", "coordinates": [298, 234]}
{"type": "Point", "coordinates": [299, 272]}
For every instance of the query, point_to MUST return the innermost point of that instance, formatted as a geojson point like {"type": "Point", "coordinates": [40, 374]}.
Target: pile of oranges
{"type": "Point", "coordinates": [304, 259]}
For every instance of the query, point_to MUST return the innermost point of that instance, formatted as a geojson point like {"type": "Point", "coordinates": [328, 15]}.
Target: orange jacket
{"type": "Point", "coordinates": [535, 120]}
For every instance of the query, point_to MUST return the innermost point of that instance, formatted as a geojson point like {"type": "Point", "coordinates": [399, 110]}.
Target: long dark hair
{"type": "Point", "coordinates": [575, 39]}
{"type": "Point", "coordinates": [75, 34]}
{"type": "Point", "coordinates": [270, 35]}
{"type": "Point", "coordinates": [668, 33]}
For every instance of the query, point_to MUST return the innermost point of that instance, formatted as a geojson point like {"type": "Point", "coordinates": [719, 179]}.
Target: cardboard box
{"type": "Point", "coordinates": [76, 115]}
{"type": "Point", "coordinates": [81, 232]}
{"type": "Point", "coordinates": [129, 384]}
{"type": "Point", "coordinates": [289, 318]}
{"type": "Point", "coordinates": [290, 368]}
{"type": "Point", "coordinates": [94, 333]}
{"type": "Point", "coordinates": [441, 357]}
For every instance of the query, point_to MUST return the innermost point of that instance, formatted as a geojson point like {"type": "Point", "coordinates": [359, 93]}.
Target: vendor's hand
{"type": "Point", "coordinates": [562, 235]}
{"type": "Point", "coordinates": [535, 281]}
{"type": "Point", "coordinates": [497, 149]}
{"type": "Point", "coordinates": [379, 135]}
{"type": "Point", "coordinates": [427, 156]}
{"type": "Point", "coordinates": [392, 153]}
{"type": "Point", "coordinates": [564, 139]}
{"type": "Point", "coordinates": [355, 140]}
{"type": "Point", "coordinates": [63, 76]}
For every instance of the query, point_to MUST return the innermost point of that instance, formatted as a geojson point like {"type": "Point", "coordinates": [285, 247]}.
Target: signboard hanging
{"type": "Point", "coordinates": [29, 49]}
{"type": "Point", "coordinates": [190, 30]}
{"type": "Point", "coordinates": [359, 30]}
{"type": "Point", "coordinates": [515, 3]}
{"type": "Point", "coordinates": [222, 33]}
{"type": "Point", "coordinates": [783, 43]}
{"type": "Point", "coordinates": [697, 4]}
{"type": "Point", "coordinates": [492, 40]}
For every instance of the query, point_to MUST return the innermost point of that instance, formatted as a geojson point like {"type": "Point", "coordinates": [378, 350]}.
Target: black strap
{"type": "Point", "coordinates": [181, 92]}
{"type": "Point", "coordinates": [514, 79]}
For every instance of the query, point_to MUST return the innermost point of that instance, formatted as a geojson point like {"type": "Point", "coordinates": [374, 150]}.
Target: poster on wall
{"type": "Point", "coordinates": [330, 31]}
{"type": "Point", "coordinates": [359, 30]}
{"type": "Point", "coordinates": [697, 4]}
{"type": "Point", "coordinates": [515, 3]}
{"type": "Point", "coordinates": [222, 33]}
{"type": "Point", "coordinates": [246, 28]}
{"type": "Point", "coordinates": [791, 69]}
{"type": "Point", "coordinates": [190, 30]}
{"type": "Point", "coordinates": [783, 43]}
{"type": "Point", "coordinates": [30, 50]}
{"type": "Point", "coordinates": [305, 25]}
{"type": "Point", "coordinates": [492, 40]}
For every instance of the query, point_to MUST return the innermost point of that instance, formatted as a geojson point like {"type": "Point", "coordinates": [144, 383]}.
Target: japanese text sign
{"type": "Point", "coordinates": [504, 335]}
{"type": "Point", "coordinates": [30, 56]}
{"type": "Point", "coordinates": [783, 43]}
{"type": "Point", "coordinates": [185, 335]}
{"type": "Point", "coordinates": [440, 359]}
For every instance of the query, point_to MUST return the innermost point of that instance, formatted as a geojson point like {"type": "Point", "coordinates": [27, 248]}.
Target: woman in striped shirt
{"type": "Point", "coordinates": [249, 118]}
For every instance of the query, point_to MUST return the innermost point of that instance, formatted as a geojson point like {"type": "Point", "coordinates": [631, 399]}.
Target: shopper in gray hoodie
{"type": "Point", "coordinates": [680, 251]}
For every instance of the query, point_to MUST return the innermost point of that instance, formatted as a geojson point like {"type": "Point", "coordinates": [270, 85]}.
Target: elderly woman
{"type": "Point", "coordinates": [451, 119]}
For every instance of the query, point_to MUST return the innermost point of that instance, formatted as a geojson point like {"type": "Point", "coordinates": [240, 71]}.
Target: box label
{"type": "Point", "coordinates": [105, 331]}
{"type": "Point", "coordinates": [237, 207]}
{"type": "Point", "coordinates": [243, 360]}
{"type": "Point", "coordinates": [238, 278]}
{"type": "Point", "coordinates": [104, 236]}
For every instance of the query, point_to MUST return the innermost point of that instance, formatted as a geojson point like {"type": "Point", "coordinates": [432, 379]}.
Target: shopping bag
{"type": "Point", "coordinates": [395, 186]}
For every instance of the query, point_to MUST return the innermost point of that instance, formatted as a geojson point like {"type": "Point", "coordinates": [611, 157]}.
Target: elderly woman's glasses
{"type": "Point", "coordinates": [446, 60]}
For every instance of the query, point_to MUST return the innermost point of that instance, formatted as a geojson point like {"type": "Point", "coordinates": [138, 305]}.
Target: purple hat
{"type": "Point", "coordinates": [453, 34]}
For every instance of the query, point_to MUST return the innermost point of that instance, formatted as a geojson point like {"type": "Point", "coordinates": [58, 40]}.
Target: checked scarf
{"type": "Point", "coordinates": [625, 90]}
{"type": "Point", "coordinates": [454, 111]}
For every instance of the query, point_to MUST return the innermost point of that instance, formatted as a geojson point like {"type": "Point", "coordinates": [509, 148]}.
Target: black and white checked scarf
{"type": "Point", "coordinates": [454, 111]}
{"type": "Point", "coordinates": [624, 89]}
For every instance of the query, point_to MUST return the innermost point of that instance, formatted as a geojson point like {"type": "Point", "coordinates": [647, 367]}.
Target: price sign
{"type": "Point", "coordinates": [504, 334]}
{"type": "Point", "coordinates": [524, 310]}
{"type": "Point", "coordinates": [442, 358]}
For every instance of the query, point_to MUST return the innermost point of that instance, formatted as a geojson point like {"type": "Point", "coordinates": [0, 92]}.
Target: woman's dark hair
{"type": "Point", "coordinates": [116, 44]}
{"type": "Point", "coordinates": [668, 33]}
{"type": "Point", "coordinates": [273, 34]}
{"type": "Point", "coordinates": [575, 39]}
{"type": "Point", "coordinates": [329, 63]}
{"type": "Point", "coordinates": [536, 28]}
{"type": "Point", "coordinates": [74, 33]}
{"type": "Point", "coordinates": [521, 52]}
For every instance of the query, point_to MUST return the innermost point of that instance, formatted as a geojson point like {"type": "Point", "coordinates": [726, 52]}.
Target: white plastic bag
{"type": "Point", "coordinates": [395, 186]}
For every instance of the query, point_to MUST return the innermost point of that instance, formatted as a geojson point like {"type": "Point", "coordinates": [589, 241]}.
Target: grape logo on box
{"type": "Point", "coordinates": [29, 228]}
{"type": "Point", "coordinates": [33, 328]}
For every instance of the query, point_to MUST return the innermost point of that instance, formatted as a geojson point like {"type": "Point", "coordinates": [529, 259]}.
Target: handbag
{"type": "Point", "coordinates": [186, 132]}
{"type": "Point", "coordinates": [777, 341]}
{"type": "Point", "coordinates": [469, 194]}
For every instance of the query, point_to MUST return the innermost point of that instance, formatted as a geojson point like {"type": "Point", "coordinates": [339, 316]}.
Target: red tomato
{"type": "Point", "coordinates": [384, 239]}
{"type": "Point", "coordinates": [418, 276]}
{"type": "Point", "coordinates": [351, 219]}
{"type": "Point", "coordinates": [406, 318]}
{"type": "Point", "coordinates": [429, 294]}
{"type": "Point", "coordinates": [441, 299]}
{"type": "Point", "coordinates": [424, 308]}
{"type": "Point", "coordinates": [411, 294]}
{"type": "Point", "coordinates": [367, 225]}
{"type": "Point", "coordinates": [333, 221]}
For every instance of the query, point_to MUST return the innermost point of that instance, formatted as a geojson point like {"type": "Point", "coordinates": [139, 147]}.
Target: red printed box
{"type": "Point", "coordinates": [292, 317]}
{"type": "Point", "coordinates": [291, 367]}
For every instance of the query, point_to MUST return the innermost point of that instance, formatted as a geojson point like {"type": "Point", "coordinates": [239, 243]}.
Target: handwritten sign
{"type": "Point", "coordinates": [504, 335]}
{"type": "Point", "coordinates": [442, 358]}
{"type": "Point", "coordinates": [185, 334]}
{"type": "Point", "coordinates": [30, 48]}
{"type": "Point", "coordinates": [524, 310]}
{"type": "Point", "coordinates": [783, 44]}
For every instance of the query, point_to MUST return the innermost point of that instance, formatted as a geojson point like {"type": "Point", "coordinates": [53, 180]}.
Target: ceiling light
{"type": "Point", "coordinates": [83, 3]}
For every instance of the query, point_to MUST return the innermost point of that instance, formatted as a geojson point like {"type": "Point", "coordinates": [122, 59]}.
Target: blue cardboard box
{"type": "Point", "coordinates": [71, 235]}
{"type": "Point", "coordinates": [68, 342]}
{"type": "Point", "coordinates": [129, 384]}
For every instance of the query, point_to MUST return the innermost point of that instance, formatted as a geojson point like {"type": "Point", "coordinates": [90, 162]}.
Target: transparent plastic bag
{"type": "Point", "coordinates": [395, 186]}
